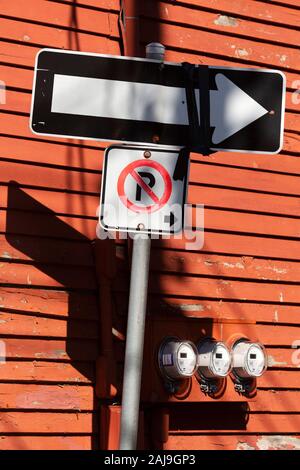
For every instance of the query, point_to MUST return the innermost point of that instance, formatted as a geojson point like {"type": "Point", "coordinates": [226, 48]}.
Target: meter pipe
{"type": "Point", "coordinates": [136, 323]}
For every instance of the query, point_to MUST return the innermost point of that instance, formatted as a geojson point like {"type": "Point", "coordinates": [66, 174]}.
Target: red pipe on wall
{"type": "Point", "coordinates": [105, 260]}
{"type": "Point", "coordinates": [129, 25]}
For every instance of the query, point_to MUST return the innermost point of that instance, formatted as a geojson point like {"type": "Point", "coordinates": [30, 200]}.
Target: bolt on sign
{"type": "Point", "coordinates": [132, 100]}
{"type": "Point", "coordinates": [142, 190]}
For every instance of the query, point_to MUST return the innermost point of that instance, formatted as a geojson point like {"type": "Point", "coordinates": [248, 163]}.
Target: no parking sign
{"type": "Point", "coordinates": [143, 190]}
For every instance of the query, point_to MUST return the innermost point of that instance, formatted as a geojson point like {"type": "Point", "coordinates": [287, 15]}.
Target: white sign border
{"type": "Point", "coordinates": [102, 192]}
{"type": "Point", "coordinates": [139, 59]}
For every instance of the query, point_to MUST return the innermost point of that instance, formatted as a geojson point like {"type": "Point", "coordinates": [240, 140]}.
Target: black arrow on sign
{"type": "Point", "coordinates": [170, 219]}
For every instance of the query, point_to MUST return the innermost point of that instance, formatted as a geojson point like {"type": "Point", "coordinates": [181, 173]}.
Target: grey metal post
{"type": "Point", "coordinates": [136, 322]}
{"type": "Point", "coordinates": [134, 343]}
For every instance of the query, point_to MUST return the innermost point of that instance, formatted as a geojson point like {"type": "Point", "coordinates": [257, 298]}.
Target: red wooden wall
{"type": "Point", "coordinates": [60, 292]}
{"type": "Point", "coordinates": [49, 195]}
{"type": "Point", "coordinates": [248, 270]}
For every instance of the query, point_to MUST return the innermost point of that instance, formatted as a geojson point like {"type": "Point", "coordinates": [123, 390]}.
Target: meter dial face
{"type": "Point", "coordinates": [256, 360]}
{"type": "Point", "coordinates": [177, 359]}
{"type": "Point", "coordinates": [186, 359]}
{"type": "Point", "coordinates": [221, 360]}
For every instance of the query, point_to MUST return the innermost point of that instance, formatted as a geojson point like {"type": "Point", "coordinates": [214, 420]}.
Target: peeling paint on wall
{"type": "Point", "coordinates": [244, 446]}
{"type": "Point", "coordinates": [241, 52]}
{"type": "Point", "coordinates": [271, 443]}
{"type": "Point", "coordinates": [234, 265]}
{"type": "Point", "coordinates": [224, 20]}
{"type": "Point", "coordinates": [190, 307]}
{"type": "Point", "coordinates": [208, 262]}
{"type": "Point", "coordinates": [278, 443]}
{"type": "Point", "coordinates": [273, 268]}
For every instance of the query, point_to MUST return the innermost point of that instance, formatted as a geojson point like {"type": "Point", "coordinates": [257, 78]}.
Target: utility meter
{"type": "Point", "coordinates": [249, 359]}
{"type": "Point", "coordinates": [214, 359]}
{"type": "Point", "coordinates": [177, 359]}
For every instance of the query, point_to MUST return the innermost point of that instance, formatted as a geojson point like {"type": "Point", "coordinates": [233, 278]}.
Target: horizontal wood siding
{"type": "Point", "coordinates": [248, 270]}
{"type": "Point", "coordinates": [49, 319]}
{"type": "Point", "coordinates": [246, 275]}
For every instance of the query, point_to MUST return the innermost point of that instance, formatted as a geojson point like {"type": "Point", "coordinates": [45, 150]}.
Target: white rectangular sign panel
{"type": "Point", "coordinates": [132, 100]}
{"type": "Point", "coordinates": [143, 190]}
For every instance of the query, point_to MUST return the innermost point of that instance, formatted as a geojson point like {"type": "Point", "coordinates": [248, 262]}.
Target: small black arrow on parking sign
{"type": "Point", "coordinates": [170, 219]}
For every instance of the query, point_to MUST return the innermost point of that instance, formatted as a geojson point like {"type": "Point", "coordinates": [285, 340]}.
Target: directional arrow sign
{"type": "Point", "coordinates": [132, 100]}
{"type": "Point", "coordinates": [231, 109]}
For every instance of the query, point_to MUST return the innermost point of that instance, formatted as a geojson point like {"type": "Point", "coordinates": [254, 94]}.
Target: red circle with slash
{"type": "Point", "coordinates": [131, 170]}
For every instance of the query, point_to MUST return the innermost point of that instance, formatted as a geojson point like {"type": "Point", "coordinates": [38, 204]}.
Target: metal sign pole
{"type": "Point", "coordinates": [136, 323]}
{"type": "Point", "coordinates": [134, 343]}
